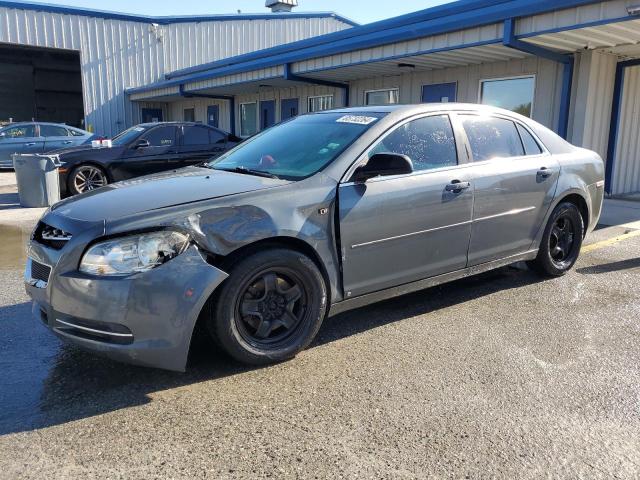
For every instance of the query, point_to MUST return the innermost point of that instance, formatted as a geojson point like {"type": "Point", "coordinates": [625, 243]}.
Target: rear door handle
{"type": "Point", "coordinates": [67, 142]}
{"type": "Point", "coordinates": [457, 186]}
{"type": "Point", "coordinates": [30, 144]}
{"type": "Point", "coordinates": [544, 172]}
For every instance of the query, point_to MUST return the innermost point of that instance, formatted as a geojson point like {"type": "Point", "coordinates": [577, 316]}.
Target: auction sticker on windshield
{"type": "Point", "coordinates": [357, 119]}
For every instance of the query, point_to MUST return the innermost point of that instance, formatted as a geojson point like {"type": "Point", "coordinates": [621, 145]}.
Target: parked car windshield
{"type": "Point", "coordinates": [298, 148]}
{"type": "Point", "coordinates": [127, 136]}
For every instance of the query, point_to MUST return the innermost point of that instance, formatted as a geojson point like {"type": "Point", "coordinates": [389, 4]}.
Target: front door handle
{"type": "Point", "coordinates": [29, 144]}
{"type": "Point", "coordinates": [544, 172]}
{"type": "Point", "coordinates": [68, 142]}
{"type": "Point", "coordinates": [457, 186]}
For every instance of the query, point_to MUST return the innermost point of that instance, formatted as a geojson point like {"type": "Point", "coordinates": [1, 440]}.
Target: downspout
{"type": "Point", "coordinates": [230, 99]}
{"type": "Point", "coordinates": [289, 75]}
{"type": "Point", "coordinates": [510, 40]}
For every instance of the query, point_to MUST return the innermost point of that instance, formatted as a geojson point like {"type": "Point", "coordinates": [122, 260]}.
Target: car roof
{"type": "Point", "coordinates": [425, 107]}
{"type": "Point", "coordinates": [153, 124]}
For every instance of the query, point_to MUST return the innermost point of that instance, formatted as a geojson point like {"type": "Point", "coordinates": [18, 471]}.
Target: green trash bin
{"type": "Point", "coordinates": [37, 178]}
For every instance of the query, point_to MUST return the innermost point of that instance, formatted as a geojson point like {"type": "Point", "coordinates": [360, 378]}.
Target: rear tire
{"type": "Point", "coordinates": [561, 242]}
{"type": "Point", "coordinates": [85, 178]}
{"type": "Point", "coordinates": [270, 308]}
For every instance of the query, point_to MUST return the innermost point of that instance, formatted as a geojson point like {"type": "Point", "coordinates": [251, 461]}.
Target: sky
{"type": "Point", "coordinates": [362, 11]}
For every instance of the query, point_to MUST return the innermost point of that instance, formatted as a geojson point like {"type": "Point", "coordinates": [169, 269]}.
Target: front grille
{"type": "Point", "coordinates": [50, 236]}
{"type": "Point", "coordinates": [40, 271]}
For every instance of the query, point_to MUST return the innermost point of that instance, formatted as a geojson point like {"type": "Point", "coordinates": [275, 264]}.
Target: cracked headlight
{"type": "Point", "coordinates": [132, 254]}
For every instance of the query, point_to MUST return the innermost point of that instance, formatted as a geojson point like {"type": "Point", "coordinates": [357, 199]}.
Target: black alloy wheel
{"type": "Point", "coordinates": [270, 308]}
{"type": "Point", "coordinates": [561, 241]}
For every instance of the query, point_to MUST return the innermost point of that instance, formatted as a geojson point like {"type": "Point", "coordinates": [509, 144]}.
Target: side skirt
{"type": "Point", "coordinates": [400, 290]}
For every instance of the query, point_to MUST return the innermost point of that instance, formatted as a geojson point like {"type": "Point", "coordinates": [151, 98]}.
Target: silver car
{"type": "Point", "coordinates": [323, 213]}
{"type": "Point", "coordinates": [38, 137]}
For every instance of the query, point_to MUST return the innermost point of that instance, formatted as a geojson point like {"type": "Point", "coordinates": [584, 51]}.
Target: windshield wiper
{"type": "Point", "coordinates": [249, 171]}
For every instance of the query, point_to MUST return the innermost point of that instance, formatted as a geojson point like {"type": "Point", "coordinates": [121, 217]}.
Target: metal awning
{"type": "Point", "coordinates": [459, 57]}
{"type": "Point", "coordinates": [606, 35]}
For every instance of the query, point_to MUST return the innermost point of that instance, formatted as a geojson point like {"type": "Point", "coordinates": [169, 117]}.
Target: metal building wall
{"type": "Point", "coordinates": [548, 84]}
{"type": "Point", "coordinates": [626, 169]}
{"type": "Point", "coordinates": [175, 110]}
{"type": "Point", "coordinates": [592, 100]}
{"type": "Point", "coordinates": [118, 54]}
{"type": "Point", "coordinates": [197, 43]}
{"type": "Point", "coordinates": [302, 93]}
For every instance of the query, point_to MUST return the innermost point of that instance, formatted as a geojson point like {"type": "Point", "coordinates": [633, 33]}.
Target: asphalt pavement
{"type": "Point", "coordinates": [504, 375]}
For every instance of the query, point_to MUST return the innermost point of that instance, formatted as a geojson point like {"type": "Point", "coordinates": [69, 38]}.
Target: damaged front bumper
{"type": "Point", "coordinates": [144, 319]}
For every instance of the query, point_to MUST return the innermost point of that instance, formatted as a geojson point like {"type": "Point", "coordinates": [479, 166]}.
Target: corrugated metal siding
{"type": "Point", "coordinates": [197, 43]}
{"type": "Point", "coordinates": [545, 109]}
{"type": "Point", "coordinates": [626, 169]}
{"type": "Point", "coordinates": [116, 54]}
{"type": "Point", "coordinates": [592, 100]}
{"type": "Point", "coordinates": [175, 110]}
{"type": "Point", "coordinates": [244, 77]}
{"type": "Point", "coordinates": [412, 47]}
{"type": "Point", "coordinates": [302, 93]}
{"type": "Point", "coordinates": [572, 16]}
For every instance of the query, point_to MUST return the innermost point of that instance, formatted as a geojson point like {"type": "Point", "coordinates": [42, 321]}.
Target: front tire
{"type": "Point", "coordinates": [85, 178]}
{"type": "Point", "coordinates": [270, 308]}
{"type": "Point", "coordinates": [561, 241]}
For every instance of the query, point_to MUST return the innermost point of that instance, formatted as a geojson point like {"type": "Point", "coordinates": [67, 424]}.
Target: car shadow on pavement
{"type": "Point", "coordinates": [610, 267]}
{"type": "Point", "coordinates": [44, 382]}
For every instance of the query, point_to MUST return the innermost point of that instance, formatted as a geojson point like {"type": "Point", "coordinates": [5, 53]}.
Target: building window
{"type": "Point", "coordinates": [515, 94]}
{"type": "Point", "coordinates": [248, 119]}
{"type": "Point", "coordinates": [189, 114]}
{"type": "Point", "coordinates": [320, 103]}
{"type": "Point", "coordinates": [387, 96]}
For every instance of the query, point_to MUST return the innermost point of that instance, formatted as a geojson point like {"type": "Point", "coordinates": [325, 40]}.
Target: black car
{"type": "Point", "coordinates": [140, 150]}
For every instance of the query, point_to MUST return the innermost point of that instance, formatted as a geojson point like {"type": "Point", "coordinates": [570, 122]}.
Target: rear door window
{"type": "Point", "coordinates": [53, 131]}
{"type": "Point", "coordinates": [492, 137]}
{"type": "Point", "coordinates": [531, 147]}
{"type": "Point", "coordinates": [161, 136]}
{"type": "Point", "coordinates": [429, 142]}
{"type": "Point", "coordinates": [194, 136]}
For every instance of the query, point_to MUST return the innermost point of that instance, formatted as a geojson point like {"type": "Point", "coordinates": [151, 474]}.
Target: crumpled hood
{"type": "Point", "coordinates": [153, 192]}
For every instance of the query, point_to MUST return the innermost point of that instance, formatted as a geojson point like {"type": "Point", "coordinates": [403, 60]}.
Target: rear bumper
{"type": "Point", "coordinates": [145, 319]}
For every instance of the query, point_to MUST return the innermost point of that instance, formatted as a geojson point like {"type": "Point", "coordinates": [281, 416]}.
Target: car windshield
{"type": "Point", "coordinates": [127, 136]}
{"type": "Point", "coordinates": [298, 148]}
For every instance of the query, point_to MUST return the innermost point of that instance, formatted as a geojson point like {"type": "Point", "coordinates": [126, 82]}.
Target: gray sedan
{"type": "Point", "coordinates": [321, 214]}
{"type": "Point", "coordinates": [38, 137]}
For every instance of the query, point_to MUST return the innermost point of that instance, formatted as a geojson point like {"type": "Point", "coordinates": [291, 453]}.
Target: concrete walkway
{"type": "Point", "coordinates": [623, 213]}
{"type": "Point", "coordinates": [11, 213]}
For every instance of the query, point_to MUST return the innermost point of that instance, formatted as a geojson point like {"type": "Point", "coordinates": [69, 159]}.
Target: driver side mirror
{"type": "Point", "coordinates": [142, 144]}
{"type": "Point", "coordinates": [383, 165]}
{"type": "Point", "coordinates": [3, 135]}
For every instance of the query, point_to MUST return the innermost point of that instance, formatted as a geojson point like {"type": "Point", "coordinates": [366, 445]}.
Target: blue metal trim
{"type": "Point", "coordinates": [87, 12]}
{"type": "Point", "coordinates": [577, 26]}
{"type": "Point", "coordinates": [473, 14]}
{"type": "Point", "coordinates": [565, 99]}
{"type": "Point", "coordinates": [568, 61]}
{"type": "Point", "coordinates": [402, 20]}
{"type": "Point", "coordinates": [436, 20]}
{"type": "Point", "coordinates": [446, 24]}
{"type": "Point", "coordinates": [511, 41]}
{"type": "Point", "coordinates": [292, 77]}
{"type": "Point", "coordinates": [615, 120]}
